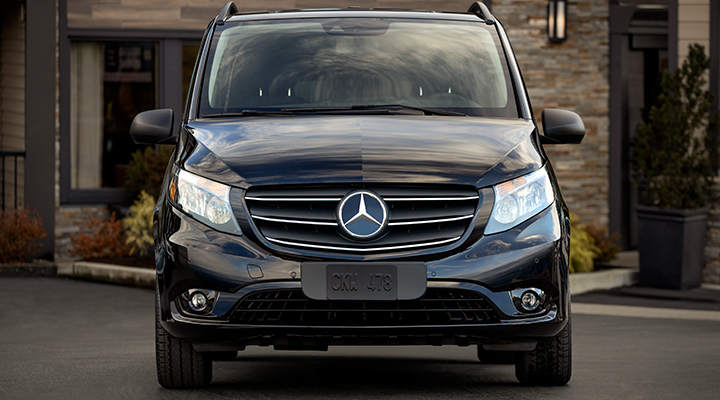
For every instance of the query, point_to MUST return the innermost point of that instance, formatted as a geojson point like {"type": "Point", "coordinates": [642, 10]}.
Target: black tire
{"type": "Point", "coordinates": [178, 364]}
{"type": "Point", "coordinates": [495, 357]}
{"type": "Point", "coordinates": [550, 364]}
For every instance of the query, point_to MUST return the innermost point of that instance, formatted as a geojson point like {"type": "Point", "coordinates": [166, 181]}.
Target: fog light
{"type": "Point", "coordinates": [529, 301]}
{"type": "Point", "coordinates": [198, 301]}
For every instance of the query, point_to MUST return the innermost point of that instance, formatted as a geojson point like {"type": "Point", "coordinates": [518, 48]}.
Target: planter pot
{"type": "Point", "coordinates": [671, 246]}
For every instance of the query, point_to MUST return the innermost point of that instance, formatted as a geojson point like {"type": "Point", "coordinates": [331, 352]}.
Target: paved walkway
{"type": "Point", "coordinates": [694, 304]}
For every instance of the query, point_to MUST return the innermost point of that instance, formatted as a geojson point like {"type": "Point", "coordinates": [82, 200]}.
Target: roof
{"type": "Point", "coordinates": [351, 13]}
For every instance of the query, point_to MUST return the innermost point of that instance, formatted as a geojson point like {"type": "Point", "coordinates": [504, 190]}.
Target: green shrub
{"type": "Point", "coordinates": [147, 169]}
{"type": "Point", "coordinates": [606, 245]}
{"type": "Point", "coordinates": [675, 151]}
{"type": "Point", "coordinates": [582, 247]}
{"type": "Point", "coordinates": [138, 224]}
{"type": "Point", "coordinates": [106, 239]}
{"type": "Point", "coordinates": [20, 231]}
{"type": "Point", "coordinates": [590, 246]}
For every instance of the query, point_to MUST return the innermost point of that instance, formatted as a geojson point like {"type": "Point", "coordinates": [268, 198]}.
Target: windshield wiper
{"type": "Point", "coordinates": [384, 109]}
{"type": "Point", "coordinates": [395, 109]}
{"type": "Point", "coordinates": [349, 110]}
{"type": "Point", "coordinates": [426, 111]}
{"type": "Point", "coordinates": [246, 113]}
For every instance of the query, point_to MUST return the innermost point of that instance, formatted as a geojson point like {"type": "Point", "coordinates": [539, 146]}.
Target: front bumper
{"type": "Point", "coordinates": [533, 255]}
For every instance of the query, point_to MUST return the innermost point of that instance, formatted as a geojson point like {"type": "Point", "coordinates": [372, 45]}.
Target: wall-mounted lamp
{"type": "Point", "coordinates": [557, 28]}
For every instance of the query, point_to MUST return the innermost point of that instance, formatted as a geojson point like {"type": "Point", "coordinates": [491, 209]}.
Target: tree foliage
{"type": "Point", "coordinates": [147, 169]}
{"type": "Point", "coordinates": [675, 151]}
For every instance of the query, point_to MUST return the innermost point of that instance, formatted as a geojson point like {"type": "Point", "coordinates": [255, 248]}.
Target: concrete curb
{"type": "Point", "coordinates": [28, 270]}
{"type": "Point", "coordinates": [584, 282]}
{"type": "Point", "coordinates": [141, 277]}
{"type": "Point", "coordinates": [109, 273]}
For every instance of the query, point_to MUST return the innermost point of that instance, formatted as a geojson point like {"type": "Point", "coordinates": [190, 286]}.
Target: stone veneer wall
{"type": "Point", "coordinates": [573, 75]}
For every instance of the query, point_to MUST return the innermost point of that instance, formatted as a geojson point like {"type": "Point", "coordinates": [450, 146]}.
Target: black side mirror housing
{"type": "Point", "coordinates": [561, 127]}
{"type": "Point", "coordinates": [153, 127]}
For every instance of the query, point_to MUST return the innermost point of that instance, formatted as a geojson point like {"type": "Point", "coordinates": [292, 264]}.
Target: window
{"type": "Point", "coordinates": [110, 83]}
{"type": "Point", "coordinates": [108, 77]}
{"type": "Point", "coordinates": [340, 62]}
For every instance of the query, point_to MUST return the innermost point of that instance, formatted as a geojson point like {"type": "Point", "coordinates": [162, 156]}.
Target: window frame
{"type": "Point", "coordinates": [169, 95]}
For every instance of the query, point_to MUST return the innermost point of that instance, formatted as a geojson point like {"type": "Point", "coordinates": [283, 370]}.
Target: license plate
{"type": "Point", "coordinates": [361, 282]}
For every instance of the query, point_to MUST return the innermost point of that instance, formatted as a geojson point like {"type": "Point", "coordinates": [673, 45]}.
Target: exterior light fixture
{"type": "Point", "coordinates": [557, 26]}
{"type": "Point", "coordinates": [198, 301]}
{"type": "Point", "coordinates": [529, 301]}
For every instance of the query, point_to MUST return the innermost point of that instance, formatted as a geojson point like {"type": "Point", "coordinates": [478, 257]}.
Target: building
{"type": "Point", "coordinates": [90, 66]}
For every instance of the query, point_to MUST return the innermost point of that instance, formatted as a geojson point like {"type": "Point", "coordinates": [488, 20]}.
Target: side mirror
{"type": "Point", "coordinates": [561, 127]}
{"type": "Point", "coordinates": [153, 127]}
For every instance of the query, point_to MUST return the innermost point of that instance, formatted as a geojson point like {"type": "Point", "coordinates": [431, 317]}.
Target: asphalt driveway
{"type": "Point", "coordinates": [62, 338]}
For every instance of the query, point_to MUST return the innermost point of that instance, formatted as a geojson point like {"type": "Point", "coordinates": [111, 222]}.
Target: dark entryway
{"type": "Point", "coordinates": [639, 52]}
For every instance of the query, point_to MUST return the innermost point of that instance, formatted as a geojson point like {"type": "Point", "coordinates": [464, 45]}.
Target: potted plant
{"type": "Point", "coordinates": [674, 158]}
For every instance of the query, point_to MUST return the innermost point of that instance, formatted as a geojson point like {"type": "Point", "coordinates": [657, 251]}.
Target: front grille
{"type": "Point", "coordinates": [419, 217]}
{"type": "Point", "coordinates": [290, 307]}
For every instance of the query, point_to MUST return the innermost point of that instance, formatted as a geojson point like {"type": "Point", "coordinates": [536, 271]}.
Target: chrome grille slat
{"type": "Point", "coordinates": [432, 198]}
{"type": "Point", "coordinates": [368, 249]}
{"type": "Point", "coordinates": [432, 221]}
{"type": "Point", "coordinates": [418, 216]}
{"type": "Point", "coordinates": [290, 221]}
{"type": "Point", "coordinates": [291, 199]}
{"type": "Point", "coordinates": [324, 223]}
{"type": "Point", "coordinates": [382, 310]}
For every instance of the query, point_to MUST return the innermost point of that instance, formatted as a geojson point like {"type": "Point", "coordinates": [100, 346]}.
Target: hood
{"type": "Point", "coordinates": [320, 149]}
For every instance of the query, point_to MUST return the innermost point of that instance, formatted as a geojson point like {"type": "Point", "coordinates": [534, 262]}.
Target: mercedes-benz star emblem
{"type": "Point", "coordinates": [362, 215]}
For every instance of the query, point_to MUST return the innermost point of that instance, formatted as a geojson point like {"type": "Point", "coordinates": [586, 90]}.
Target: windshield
{"type": "Point", "coordinates": [345, 62]}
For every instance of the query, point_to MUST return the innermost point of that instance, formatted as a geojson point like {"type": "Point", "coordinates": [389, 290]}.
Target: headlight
{"type": "Point", "coordinates": [206, 200]}
{"type": "Point", "coordinates": [518, 200]}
